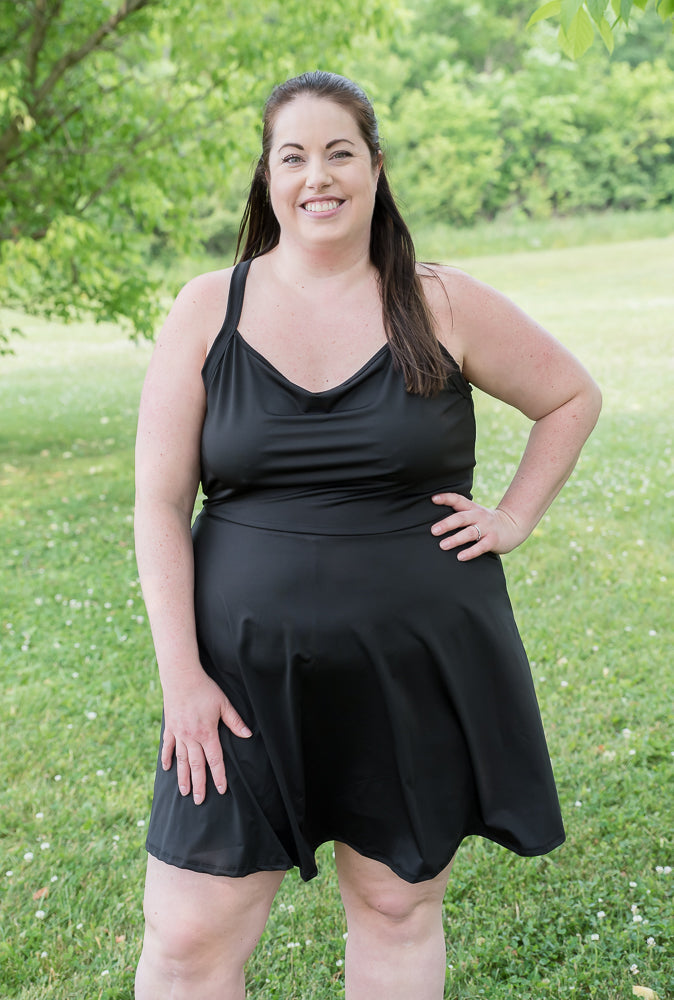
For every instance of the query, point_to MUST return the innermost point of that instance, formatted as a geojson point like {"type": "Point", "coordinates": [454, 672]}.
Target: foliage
{"type": "Point", "coordinates": [81, 703]}
{"type": "Point", "coordinates": [128, 130]}
{"type": "Point", "coordinates": [580, 21]}
{"type": "Point", "coordinates": [117, 126]}
{"type": "Point", "coordinates": [538, 134]}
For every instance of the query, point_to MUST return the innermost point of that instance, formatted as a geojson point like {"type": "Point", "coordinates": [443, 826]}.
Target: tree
{"type": "Point", "coordinates": [582, 20]}
{"type": "Point", "coordinates": [120, 120]}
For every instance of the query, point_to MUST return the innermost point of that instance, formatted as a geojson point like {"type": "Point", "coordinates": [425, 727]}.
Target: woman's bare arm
{"type": "Point", "coordinates": [510, 356]}
{"type": "Point", "coordinates": [167, 477]}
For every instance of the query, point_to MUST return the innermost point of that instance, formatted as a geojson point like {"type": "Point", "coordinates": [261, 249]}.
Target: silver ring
{"type": "Point", "coordinates": [479, 533]}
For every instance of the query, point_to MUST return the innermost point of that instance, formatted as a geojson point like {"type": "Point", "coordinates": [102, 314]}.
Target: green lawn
{"type": "Point", "coordinates": [80, 705]}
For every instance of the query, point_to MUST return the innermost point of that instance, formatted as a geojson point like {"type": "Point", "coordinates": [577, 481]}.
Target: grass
{"type": "Point", "coordinates": [80, 705]}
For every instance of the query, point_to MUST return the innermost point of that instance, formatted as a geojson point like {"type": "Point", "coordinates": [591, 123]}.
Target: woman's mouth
{"type": "Point", "coordinates": [321, 207]}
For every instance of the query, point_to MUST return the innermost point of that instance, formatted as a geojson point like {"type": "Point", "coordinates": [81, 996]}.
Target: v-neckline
{"type": "Point", "coordinates": [300, 388]}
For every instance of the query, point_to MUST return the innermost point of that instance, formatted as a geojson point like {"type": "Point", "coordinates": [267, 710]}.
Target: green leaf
{"type": "Point", "coordinates": [550, 9]}
{"type": "Point", "coordinates": [578, 39]}
{"type": "Point", "coordinates": [568, 12]}
{"type": "Point", "coordinates": [597, 10]}
{"type": "Point", "coordinates": [606, 34]}
{"type": "Point", "coordinates": [665, 9]}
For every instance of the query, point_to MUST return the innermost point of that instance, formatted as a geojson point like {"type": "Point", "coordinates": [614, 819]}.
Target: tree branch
{"type": "Point", "coordinates": [128, 7]}
{"type": "Point", "coordinates": [126, 10]}
{"type": "Point", "coordinates": [44, 15]}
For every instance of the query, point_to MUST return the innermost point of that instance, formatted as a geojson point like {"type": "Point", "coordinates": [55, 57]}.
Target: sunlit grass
{"type": "Point", "coordinates": [592, 590]}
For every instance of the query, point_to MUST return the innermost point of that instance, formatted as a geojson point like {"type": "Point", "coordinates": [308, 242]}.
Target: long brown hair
{"type": "Point", "coordinates": [407, 318]}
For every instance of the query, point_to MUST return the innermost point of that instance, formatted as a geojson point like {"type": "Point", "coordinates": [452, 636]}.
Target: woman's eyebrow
{"type": "Point", "coordinates": [328, 145]}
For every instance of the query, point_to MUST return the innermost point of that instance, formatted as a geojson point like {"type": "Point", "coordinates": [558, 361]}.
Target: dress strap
{"type": "Point", "coordinates": [237, 287]}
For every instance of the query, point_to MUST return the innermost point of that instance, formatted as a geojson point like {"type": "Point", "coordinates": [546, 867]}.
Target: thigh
{"type": "Point", "coordinates": [212, 909]}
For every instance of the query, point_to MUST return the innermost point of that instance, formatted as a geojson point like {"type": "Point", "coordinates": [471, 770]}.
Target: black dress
{"type": "Point", "coordinates": [385, 682]}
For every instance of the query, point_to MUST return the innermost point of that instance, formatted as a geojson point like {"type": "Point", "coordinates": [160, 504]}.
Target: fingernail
{"type": "Point", "coordinates": [436, 529]}
{"type": "Point", "coordinates": [198, 799]}
{"type": "Point", "coordinates": [246, 731]}
{"type": "Point", "coordinates": [221, 789]}
{"type": "Point", "coordinates": [184, 789]}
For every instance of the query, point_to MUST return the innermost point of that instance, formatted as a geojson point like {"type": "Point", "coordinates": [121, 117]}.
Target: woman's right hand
{"type": "Point", "coordinates": [191, 718]}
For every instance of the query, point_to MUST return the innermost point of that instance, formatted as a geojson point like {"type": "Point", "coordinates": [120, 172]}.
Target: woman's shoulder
{"type": "Point", "coordinates": [199, 309]}
{"type": "Point", "coordinates": [205, 290]}
{"type": "Point", "coordinates": [448, 292]}
{"type": "Point", "coordinates": [442, 280]}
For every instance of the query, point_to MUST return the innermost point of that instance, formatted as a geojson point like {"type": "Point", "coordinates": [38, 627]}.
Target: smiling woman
{"type": "Point", "coordinates": [336, 663]}
{"type": "Point", "coordinates": [320, 167]}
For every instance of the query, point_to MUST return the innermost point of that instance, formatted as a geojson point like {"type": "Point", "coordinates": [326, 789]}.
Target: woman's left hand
{"type": "Point", "coordinates": [482, 529]}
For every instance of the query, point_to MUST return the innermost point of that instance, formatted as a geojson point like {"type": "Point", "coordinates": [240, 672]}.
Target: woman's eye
{"type": "Point", "coordinates": [341, 154]}
{"type": "Point", "coordinates": [292, 158]}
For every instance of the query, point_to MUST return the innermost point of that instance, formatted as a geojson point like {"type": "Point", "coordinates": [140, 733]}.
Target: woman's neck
{"type": "Point", "coordinates": [297, 264]}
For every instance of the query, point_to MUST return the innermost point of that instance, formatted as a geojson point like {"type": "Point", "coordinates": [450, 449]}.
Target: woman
{"type": "Point", "coordinates": [338, 656]}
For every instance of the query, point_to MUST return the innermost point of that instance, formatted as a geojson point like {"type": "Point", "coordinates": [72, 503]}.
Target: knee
{"type": "Point", "coordinates": [389, 905]}
{"type": "Point", "coordinates": [178, 941]}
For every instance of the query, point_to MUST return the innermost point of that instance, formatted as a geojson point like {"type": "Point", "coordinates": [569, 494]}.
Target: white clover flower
{"type": "Point", "coordinates": [650, 942]}
{"type": "Point", "coordinates": [637, 918]}
{"type": "Point", "coordinates": [600, 914]}
{"type": "Point", "coordinates": [634, 969]}
{"type": "Point", "coordinates": [45, 845]}
{"type": "Point", "coordinates": [28, 856]}
{"type": "Point", "coordinates": [290, 908]}
{"type": "Point", "coordinates": [594, 937]}
{"type": "Point", "coordinates": [339, 962]}
{"type": "Point", "coordinates": [40, 914]}
{"type": "Point", "coordinates": [91, 716]}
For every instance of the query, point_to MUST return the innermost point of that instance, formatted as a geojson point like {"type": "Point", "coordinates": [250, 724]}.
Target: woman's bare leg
{"type": "Point", "coordinates": [199, 932]}
{"type": "Point", "coordinates": [396, 944]}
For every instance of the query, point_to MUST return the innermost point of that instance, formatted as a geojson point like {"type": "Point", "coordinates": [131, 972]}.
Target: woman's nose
{"type": "Point", "coordinates": [318, 175]}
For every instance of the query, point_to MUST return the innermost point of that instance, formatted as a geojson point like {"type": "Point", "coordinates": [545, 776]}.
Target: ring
{"type": "Point", "coordinates": [479, 533]}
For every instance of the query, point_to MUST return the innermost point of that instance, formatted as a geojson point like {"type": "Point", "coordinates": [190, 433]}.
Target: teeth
{"type": "Point", "coordinates": [321, 206]}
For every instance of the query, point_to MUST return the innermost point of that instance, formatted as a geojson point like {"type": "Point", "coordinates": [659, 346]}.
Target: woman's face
{"type": "Point", "coordinates": [322, 183]}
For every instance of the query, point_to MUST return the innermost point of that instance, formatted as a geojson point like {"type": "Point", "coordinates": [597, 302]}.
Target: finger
{"type": "Point", "coordinates": [183, 768]}
{"type": "Point", "coordinates": [457, 500]}
{"type": "Point", "coordinates": [469, 535]}
{"type": "Point", "coordinates": [233, 720]}
{"type": "Point", "coordinates": [197, 765]}
{"type": "Point", "coordinates": [168, 746]}
{"type": "Point", "coordinates": [216, 764]}
{"type": "Point", "coordinates": [473, 551]}
{"type": "Point", "coordinates": [455, 522]}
